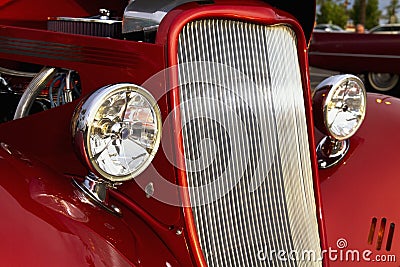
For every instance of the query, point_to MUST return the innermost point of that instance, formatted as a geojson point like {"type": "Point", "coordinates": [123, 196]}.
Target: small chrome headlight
{"type": "Point", "coordinates": [340, 103]}
{"type": "Point", "coordinates": [117, 131]}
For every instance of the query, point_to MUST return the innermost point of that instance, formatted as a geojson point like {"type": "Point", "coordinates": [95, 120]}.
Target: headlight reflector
{"type": "Point", "coordinates": [117, 131]}
{"type": "Point", "coordinates": [342, 99]}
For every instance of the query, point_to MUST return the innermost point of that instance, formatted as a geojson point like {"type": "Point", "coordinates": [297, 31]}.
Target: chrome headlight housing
{"type": "Point", "coordinates": [117, 131]}
{"type": "Point", "coordinates": [339, 105]}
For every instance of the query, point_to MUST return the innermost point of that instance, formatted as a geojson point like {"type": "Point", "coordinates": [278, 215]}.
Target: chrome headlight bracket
{"type": "Point", "coordinates": [331, 151]}
{"type": "Point", "coordinates": [97, 192]}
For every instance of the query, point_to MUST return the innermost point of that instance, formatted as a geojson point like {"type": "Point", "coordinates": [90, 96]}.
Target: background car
{"type": "Point", "coordinates": [374, 56]}
{"type": "Point", "coordinates": [386, 29]}
{"type": "Point", "coordinates": [328, 28]}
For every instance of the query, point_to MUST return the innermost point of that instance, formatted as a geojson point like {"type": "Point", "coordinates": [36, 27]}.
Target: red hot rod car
{"type": "Point", "coordinates": [184, 133]}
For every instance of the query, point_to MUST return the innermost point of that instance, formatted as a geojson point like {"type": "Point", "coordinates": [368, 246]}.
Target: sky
{"type": "Point", "coordinates": [382, 5]}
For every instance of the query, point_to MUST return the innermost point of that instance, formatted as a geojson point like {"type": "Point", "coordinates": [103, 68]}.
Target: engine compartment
{"type": "Point", "coordinates": [27, 88]}
{"type": "Point", "coordinates": [139, 21]}
{"type": "Point", "coordinates": [24, 90]}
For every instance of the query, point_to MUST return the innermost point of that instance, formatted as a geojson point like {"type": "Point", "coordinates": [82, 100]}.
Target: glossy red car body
{"type": "Point", "coordinates": [49, 222]}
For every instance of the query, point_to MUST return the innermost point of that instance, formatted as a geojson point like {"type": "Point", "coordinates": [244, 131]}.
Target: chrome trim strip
{"type": "Point", "coordinates": [17, 73]}
{"type": "Point", "coordinates": [67, 52]}
{"type": "Point", "coordinates": [87, 20]}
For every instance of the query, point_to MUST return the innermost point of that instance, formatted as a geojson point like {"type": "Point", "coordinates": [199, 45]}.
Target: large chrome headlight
{"type": "Point", "coordinates": [339, 105]}
{"type": "Point", "coordinates": [117, 131]}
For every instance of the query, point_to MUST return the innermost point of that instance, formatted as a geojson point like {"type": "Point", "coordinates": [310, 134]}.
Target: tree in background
{"type": "Point", "coordinates": [391, 11]}
{"type": "Point", "coordinates": [332, 12]}
{"type": "Point", "coordinates": [363, 9]}
{"type": "Point", "coordinates": [371, 15]}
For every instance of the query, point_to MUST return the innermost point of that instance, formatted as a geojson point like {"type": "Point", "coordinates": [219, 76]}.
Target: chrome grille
{"type": "Point", "coordinates": [246, 145]}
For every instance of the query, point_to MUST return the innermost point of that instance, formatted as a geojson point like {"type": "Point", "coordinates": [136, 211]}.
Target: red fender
{"type": "Point", "coordinates": [365, 185]}
{"type": "Point", "coordinates": [46, 221]}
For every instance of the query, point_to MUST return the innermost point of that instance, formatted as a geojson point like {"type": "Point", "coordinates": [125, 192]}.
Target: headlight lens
{"type": "Point", "coordinates": [117, 130]}
{"type": "Point", "coordinates": [340, 103]}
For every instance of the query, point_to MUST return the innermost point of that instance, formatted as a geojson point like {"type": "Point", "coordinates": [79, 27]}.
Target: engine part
{"type": "Point", "coordinates": [101, 25]}
{"type": "Point", "coordinates": [143, 15]}
{"type": "Point", "coordinates": [23, 93]}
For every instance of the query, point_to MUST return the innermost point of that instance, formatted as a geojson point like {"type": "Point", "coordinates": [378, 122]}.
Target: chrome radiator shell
{"type": "Point", "coordinates": [246, 144]}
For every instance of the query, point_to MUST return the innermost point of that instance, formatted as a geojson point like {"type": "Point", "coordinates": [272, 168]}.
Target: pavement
{"type": "Point", "coordinates": [318, 75]}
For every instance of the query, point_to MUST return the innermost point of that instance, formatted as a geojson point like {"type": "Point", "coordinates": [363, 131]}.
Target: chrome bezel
{"type": "Point", "coordinates": [83, 119]}
{"type": "Point", "coordinates": [333, 83]}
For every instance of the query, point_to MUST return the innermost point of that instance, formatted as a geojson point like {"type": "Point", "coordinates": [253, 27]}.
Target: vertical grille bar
{"type": "Point", "coordinates": [246, 145]}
